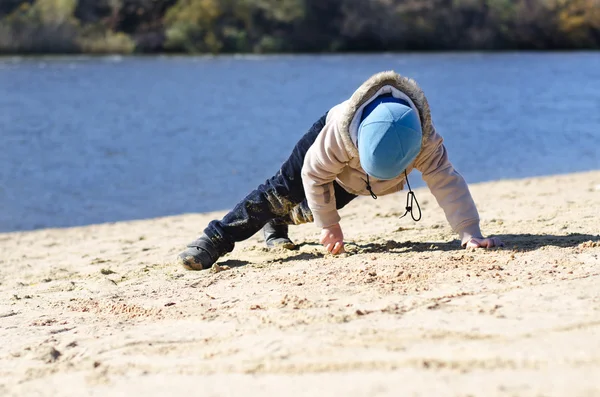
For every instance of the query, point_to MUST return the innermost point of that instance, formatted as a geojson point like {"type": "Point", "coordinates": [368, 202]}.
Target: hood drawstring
{"type": "Point", "coordinates": [369, 188]}
{"type": "Point", "coordinates": [410, 197]}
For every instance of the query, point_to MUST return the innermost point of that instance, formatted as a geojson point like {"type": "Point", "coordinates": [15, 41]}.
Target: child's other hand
{"type": "Point", "coordinates": [484, 243]}
{"type": "Point", "coordinates": [332, 239]}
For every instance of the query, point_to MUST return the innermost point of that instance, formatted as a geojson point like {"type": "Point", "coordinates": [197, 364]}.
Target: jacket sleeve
{"type": "Point", "coordinates": [324, 161]}
{"type": "Point", "coordinates": [449, 188]}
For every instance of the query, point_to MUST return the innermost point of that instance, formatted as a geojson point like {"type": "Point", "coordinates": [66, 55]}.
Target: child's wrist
{"type": "Point", "coordinates": [469, 232]}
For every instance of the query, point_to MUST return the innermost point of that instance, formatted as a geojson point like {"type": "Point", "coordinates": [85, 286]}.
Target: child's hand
{"type": "Point", "coordinates": [332, 239]}
{"type": "Point", "coordinates": [484, 243]}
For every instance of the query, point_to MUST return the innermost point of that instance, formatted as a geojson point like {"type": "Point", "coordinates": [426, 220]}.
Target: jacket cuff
{"type": "Point", "coordinates": [469, 232]}
{"type": "Point", "coordinates": [326, 218]}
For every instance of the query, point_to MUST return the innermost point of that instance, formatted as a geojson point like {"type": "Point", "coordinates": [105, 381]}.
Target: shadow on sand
{"type": "Point", "coordinates": [521, 242]}
{"type": "Point", "coordinates": [233, 263]}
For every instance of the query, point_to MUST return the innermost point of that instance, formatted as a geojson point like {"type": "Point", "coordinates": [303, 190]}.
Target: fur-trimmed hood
{"type": "Point", "coordinates": [388, 82]}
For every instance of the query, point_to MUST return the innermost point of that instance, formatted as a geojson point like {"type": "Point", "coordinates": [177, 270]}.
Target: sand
{"type": "Point", "coordinates": [103, 310]}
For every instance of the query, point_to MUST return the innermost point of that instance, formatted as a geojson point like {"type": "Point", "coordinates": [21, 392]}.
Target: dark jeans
{"type": "Point", "coordinates": [281, 198]}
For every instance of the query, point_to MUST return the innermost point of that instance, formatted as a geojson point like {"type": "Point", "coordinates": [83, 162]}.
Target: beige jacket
{"type": "Point", "coordinates": [334, 156]}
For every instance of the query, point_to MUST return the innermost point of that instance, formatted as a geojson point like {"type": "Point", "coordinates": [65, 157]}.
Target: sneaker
{"type": "Point", "coordinates": [276, 236]}
{"type": "Point", "coordinates": [200, 254]}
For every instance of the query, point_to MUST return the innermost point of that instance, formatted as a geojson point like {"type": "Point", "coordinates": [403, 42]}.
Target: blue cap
{"type": "Point", "coordinates": [389, 137]}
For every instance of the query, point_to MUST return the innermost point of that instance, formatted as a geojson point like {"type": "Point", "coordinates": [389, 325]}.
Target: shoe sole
{"type": "Point", "coordinates": [189, 264]}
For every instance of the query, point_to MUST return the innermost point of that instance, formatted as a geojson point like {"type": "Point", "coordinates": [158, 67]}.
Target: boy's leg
{"type": "Point", "coordinates": [273, 199]}
{"type": "Point", "coordinates": [302, 214]}
{"type": "Point", "coordinates": [275, 232]}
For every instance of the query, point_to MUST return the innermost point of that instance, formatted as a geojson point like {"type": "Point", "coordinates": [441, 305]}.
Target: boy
{"type": "Point", "coordinates": [366, 145]}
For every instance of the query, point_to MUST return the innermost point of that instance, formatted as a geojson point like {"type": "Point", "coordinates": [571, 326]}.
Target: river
{"type": "Point", "coordinates": [101, 139]}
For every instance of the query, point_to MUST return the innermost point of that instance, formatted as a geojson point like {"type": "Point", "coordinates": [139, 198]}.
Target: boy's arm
{"type": "Point", "coordinates": [449, 189]}
{"type": "Point", "coordinates": [324, 160]}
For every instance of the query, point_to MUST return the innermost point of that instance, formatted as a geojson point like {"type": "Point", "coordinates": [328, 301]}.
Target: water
{"type": "Point", "coordinates": [92, 140]}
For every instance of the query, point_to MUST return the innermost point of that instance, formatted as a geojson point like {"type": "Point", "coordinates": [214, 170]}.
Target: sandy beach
{"type": "Point", "coordinates": [103, 310]}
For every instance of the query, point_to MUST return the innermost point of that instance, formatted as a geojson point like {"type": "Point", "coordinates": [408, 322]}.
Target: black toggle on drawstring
{"type": "Point", "coordinates": [369, 188]}
{"type": "Point", "coordinates": [410, 197]}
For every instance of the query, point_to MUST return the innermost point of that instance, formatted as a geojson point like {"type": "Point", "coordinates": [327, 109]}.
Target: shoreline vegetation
{"type": "Point", "coordinates": [36, 27]}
